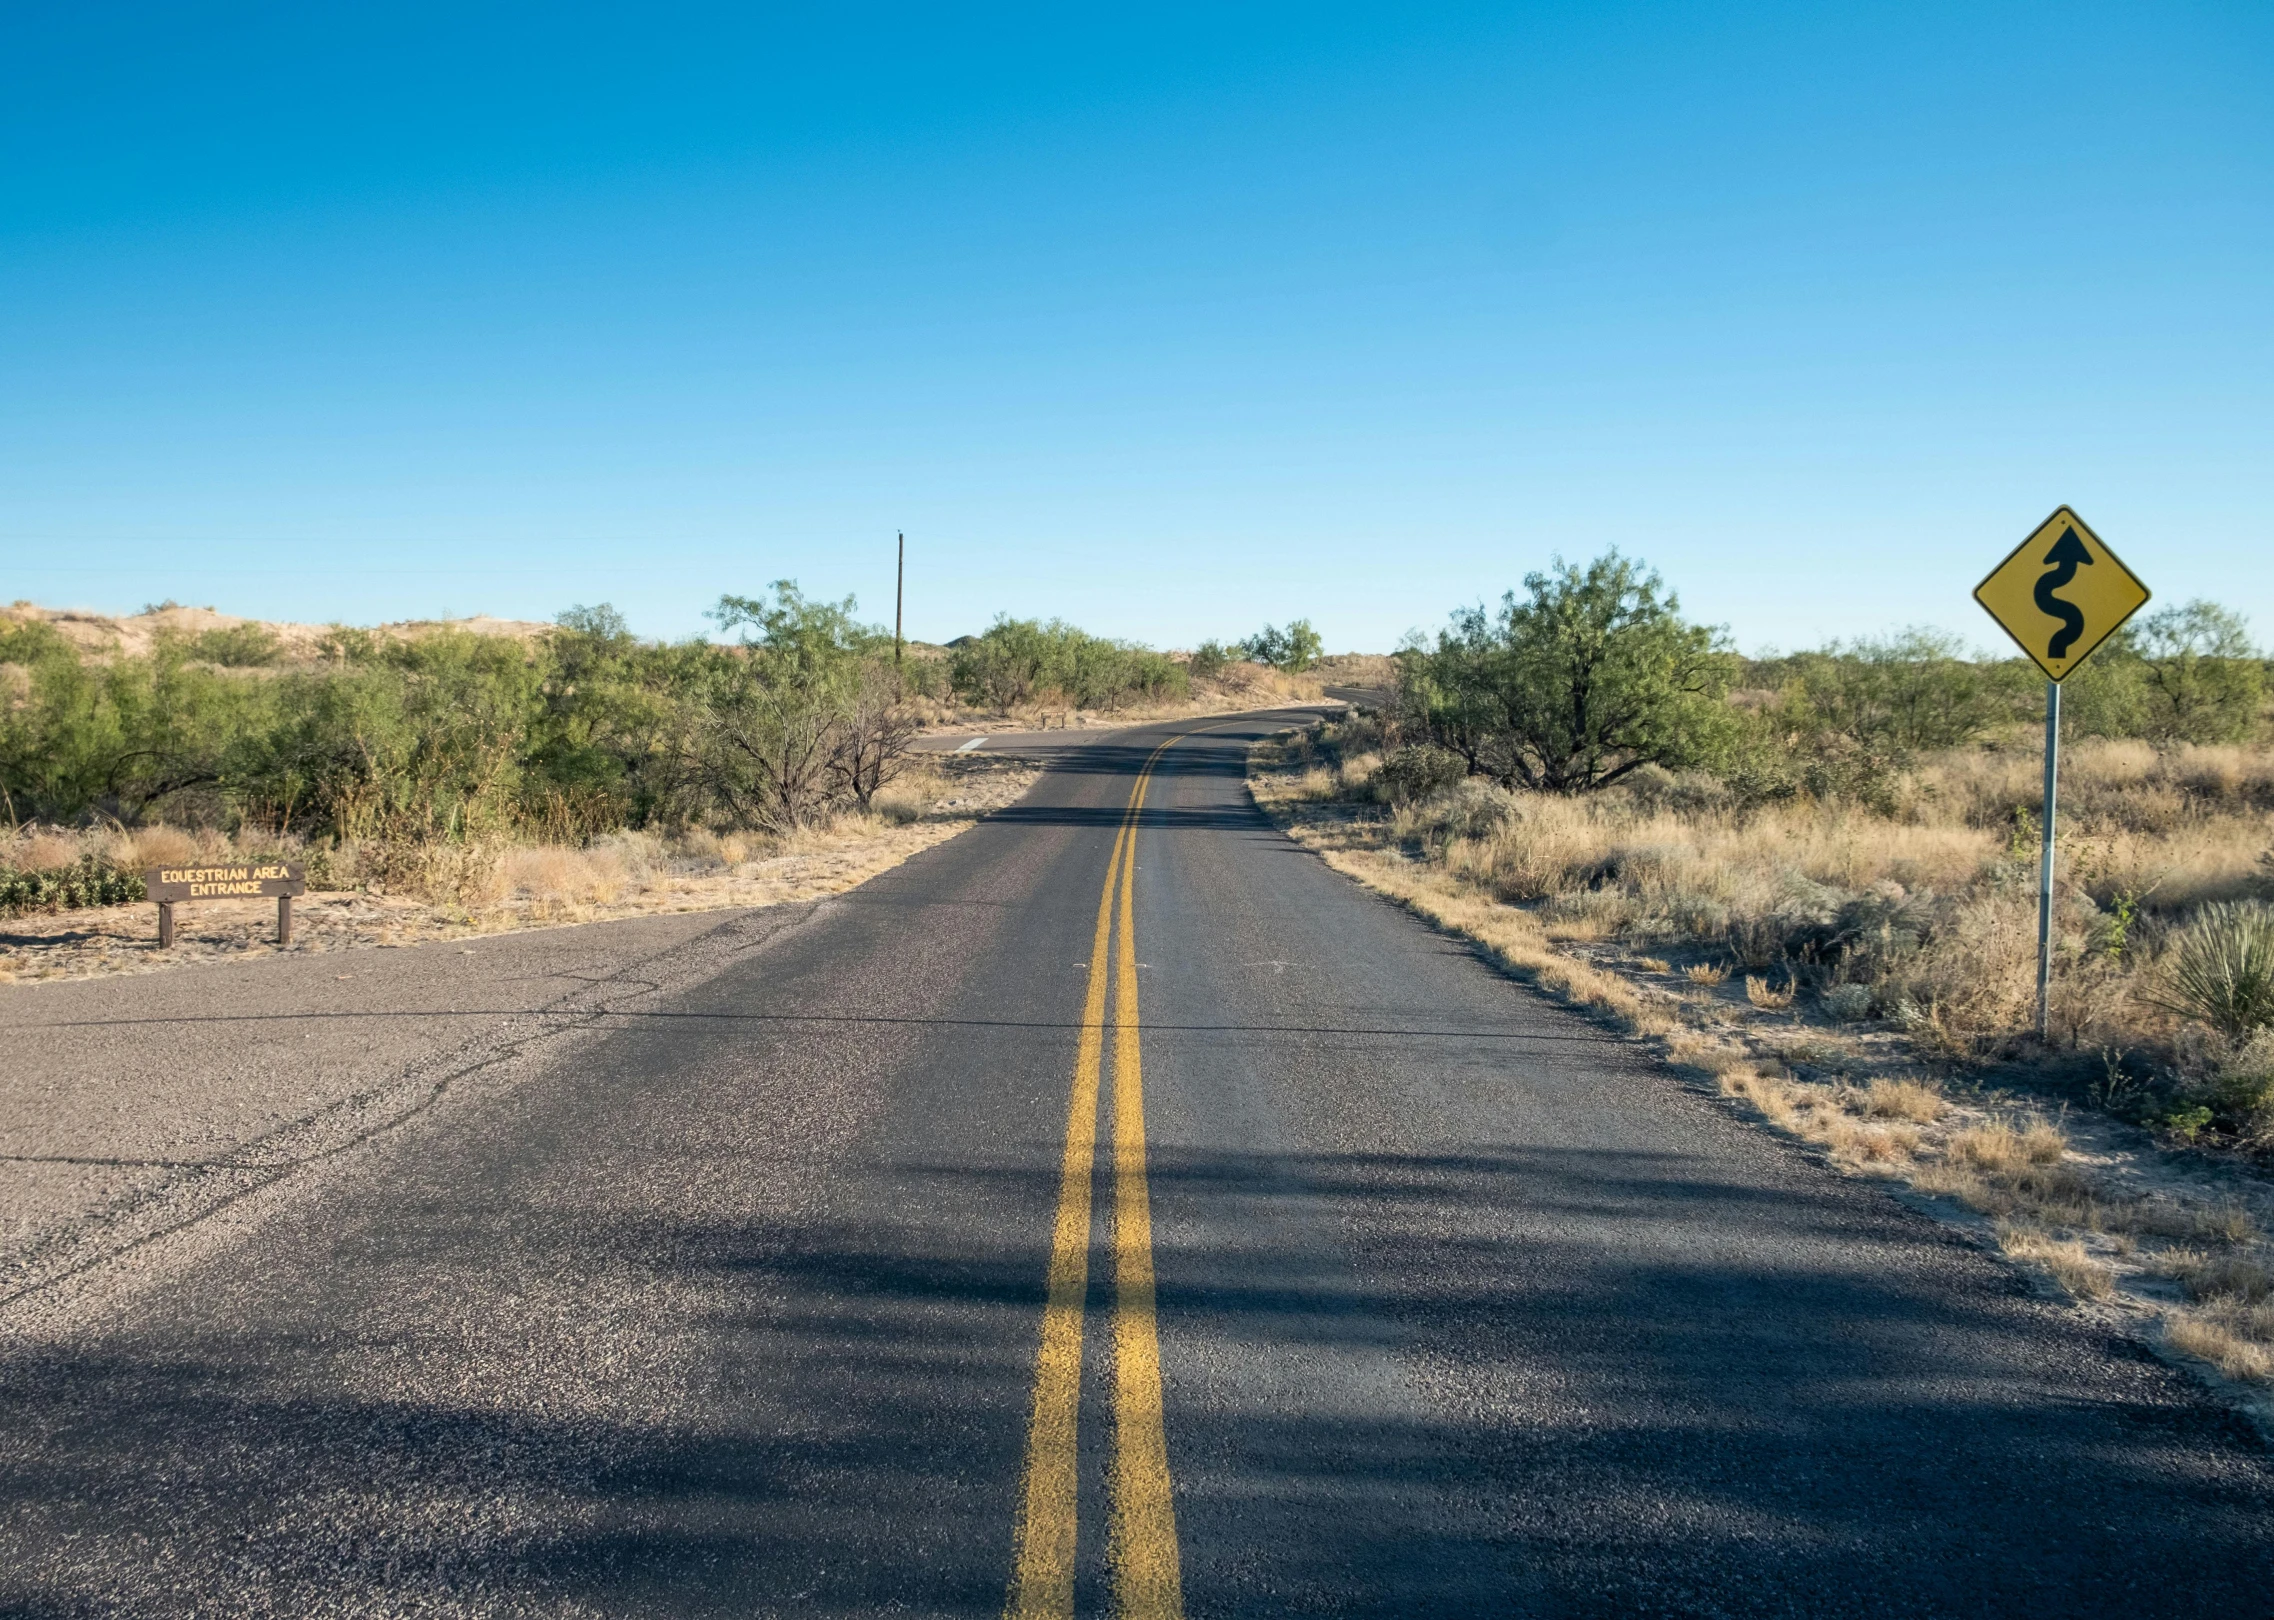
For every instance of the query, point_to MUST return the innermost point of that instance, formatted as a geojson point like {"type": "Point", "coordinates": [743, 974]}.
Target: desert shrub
{"type": "Point", "coordinates": [2203, 681]}
{"type": "Point", "coordinates": [89, 881]}
{"type": "Point", "coordinates": [1848, 1003]}
{"type": "Point", "coordinates": [2238, 1089]}
{"type": "Point", "coordinates": [1293, 649]}
{"type": "Point", "coordinates": [778, 715]}
{"type": "Point", "coordinates": [1019, 661]}
{"type": "Point", "coordinates": [2222, 968]}
{"type": "Point", "coordinates": [1468, 809]}
{"type": "Point", "coordinates": [1416, 772]}
{"type": "Point", "coordinates": [238, 646]}
{"type": "Point", "coordinates": [1209, 659]}
{"type": "Point", "coordinates": [390, 741]}
{"type": "Point", "coordinates": [1588, 678]}
{"type": "Point", "coordinates": [81, 737]}
{"type": "Point", "coordinates": [1905, 693]}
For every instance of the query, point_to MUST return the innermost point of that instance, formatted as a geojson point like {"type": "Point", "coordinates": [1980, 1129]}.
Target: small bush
{"type": "Point", "coordinates": [1849, 1003]}
{"type": "Point", "coordinates": [2242, 1088]}
{"type": "Point", "coordinates": [1414, 773]}
{"type": "Point", "coordinates": [87, 882]}
{"type": "Point", "coordinates": [2222, 970]}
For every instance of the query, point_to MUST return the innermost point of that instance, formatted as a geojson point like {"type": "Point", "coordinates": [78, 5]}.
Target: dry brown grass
{"type": "Point", "coordinates": [1707, 973]}
{"type": "Point", "coordinates": [2001, 1148]}
{"type": "Point", "coordinates": [1927, 904]}
{"type": "Point", "coordinates": [592, 877]}
{"type": "Point", "coordinates": [47, 849]}
{"type": "Point", "coordinates": [1911, 1100]}
{"type": "Point", "coordinates": [1758, 992]}
{"type": "Point", "coordinates": [2237, 1351]}
{"type": "Point", "coordinates": [2065, 1258]}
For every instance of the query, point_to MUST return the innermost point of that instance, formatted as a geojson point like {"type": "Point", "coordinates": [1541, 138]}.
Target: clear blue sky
{"type": "Point", "coordinates": [1169, 322]}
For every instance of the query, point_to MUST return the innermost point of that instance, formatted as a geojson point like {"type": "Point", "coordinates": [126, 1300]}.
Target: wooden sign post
{"type": "Point", "coordinates": [244, 880]}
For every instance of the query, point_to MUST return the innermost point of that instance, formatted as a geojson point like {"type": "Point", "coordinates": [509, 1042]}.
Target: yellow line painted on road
{"type": "Point", "coordinates": [1042, 1582]}
{"type": "Point", "coordinates": [1142, 1546]}
{"type": "Point", "coordinates": [1143, 1543]}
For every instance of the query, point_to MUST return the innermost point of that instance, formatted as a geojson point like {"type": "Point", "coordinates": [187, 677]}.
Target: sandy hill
{"type": "Point", "coordinates": [104, 634]}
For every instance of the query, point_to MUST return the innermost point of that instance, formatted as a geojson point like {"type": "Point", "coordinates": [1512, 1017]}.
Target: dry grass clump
{"type": "Point", "coordinates": [2000, 1149]}
{"type": "Point", "coordinates": [2231, 1322]}
{"type": "Point", "coordinates": [727, 850]}
{"type": "Point", "coordinates": [1902, 1099]}
{"type": "Point", "coordinates": [594, 876]}
{"type": "Point", "coordinates": [35, 848]}
{"type": "Point", "coordinates": [1708, 974]}
{"type": "Point", "coordinates": [2238, 1348]}
{"type": "Point", "coordinates": [1827, 1116]}
{"type": "Point", "coordinates": [2065, 1258]}
{"type": "Point", "coordinates": [42, 850]}
{"type": "Point", "coordinates": [907, 800]}
{"type": "Point", "coordinates": [1757, 991]}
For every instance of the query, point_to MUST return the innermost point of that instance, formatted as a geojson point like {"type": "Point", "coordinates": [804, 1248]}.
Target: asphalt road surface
{"type": "Point", "coordinates": [1106, 1212]}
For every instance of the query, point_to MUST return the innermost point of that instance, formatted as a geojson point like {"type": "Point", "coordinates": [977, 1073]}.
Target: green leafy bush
{"type": "Point", "coordinates": [1590, 676]}
{"type": "Point", "coordinates": [1293, 649]}
{"type": "Point", "coordinates": [1020, 661]}
{"type": "Point", "coordinates": [88, 882]}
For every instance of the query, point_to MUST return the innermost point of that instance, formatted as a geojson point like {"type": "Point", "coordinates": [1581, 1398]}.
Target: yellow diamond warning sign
{"type": "Point", "coordinates": [2061, 594]}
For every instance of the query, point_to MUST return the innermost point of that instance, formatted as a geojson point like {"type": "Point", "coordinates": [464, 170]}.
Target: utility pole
{"type": "Point", "coordinates": [899, 595]}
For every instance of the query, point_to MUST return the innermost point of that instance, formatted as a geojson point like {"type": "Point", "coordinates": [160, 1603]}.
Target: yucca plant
{"type": "Point", "coordinates": [2223, 969]}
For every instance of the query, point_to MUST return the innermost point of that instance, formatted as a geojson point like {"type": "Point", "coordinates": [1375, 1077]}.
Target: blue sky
{"type": "Point", "coordinates": [1169, 322]}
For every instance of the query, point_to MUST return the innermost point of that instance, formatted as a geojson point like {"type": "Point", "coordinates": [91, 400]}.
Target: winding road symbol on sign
{"type": "Point", "coordinates": [2061, 593]}
{"type": "Point", "coordinates": [2067, 553]}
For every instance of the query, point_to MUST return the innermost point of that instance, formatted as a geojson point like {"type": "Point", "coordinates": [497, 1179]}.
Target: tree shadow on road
{"type": "Point", "coordinates": [1620, 1386]}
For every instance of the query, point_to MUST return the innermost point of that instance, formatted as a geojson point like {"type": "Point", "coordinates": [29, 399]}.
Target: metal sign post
{"type": "Point", "coordinates": [2045, 857]}
{"type": "Point", "coordinates": [2058, 615]}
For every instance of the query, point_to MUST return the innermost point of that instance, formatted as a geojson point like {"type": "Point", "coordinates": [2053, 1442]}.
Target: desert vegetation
{"type": "Point", "coordinates": [1857, 827]}
{"type": "Point", "coordinates": [440, 760]}
{"type": "Point", "coordinates": [1023, 663]}
{"type": "Point", "coordinates": [1814, 877]}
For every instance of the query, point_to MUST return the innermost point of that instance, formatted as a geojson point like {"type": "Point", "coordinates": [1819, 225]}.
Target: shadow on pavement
{"type": "Point", "coordinates": [1682, 1423]}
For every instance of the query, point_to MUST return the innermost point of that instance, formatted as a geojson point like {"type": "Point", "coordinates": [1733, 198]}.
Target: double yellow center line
{"type": "Point", "coordinates": [1141, 1541]}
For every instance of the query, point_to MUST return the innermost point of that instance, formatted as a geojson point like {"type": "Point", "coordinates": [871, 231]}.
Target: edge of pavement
{"type": "Point", "coordinates": [2253, 1403]}
{"type": "Point", "coordinates": [177, 1206]}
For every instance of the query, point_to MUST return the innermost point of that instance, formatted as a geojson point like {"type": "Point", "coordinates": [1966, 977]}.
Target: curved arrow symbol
{"type": "Point", "coordinates": [2067, 552]}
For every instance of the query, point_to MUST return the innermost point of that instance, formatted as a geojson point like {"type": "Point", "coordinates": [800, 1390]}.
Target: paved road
{"type": "Point", "coordinates": [1362, 1283]}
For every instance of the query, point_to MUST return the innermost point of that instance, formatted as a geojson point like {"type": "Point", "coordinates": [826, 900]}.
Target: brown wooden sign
{"type": "Point", "coordinates": [236, 880]}
{"type": "Point", "coordinates": [242, 880]}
